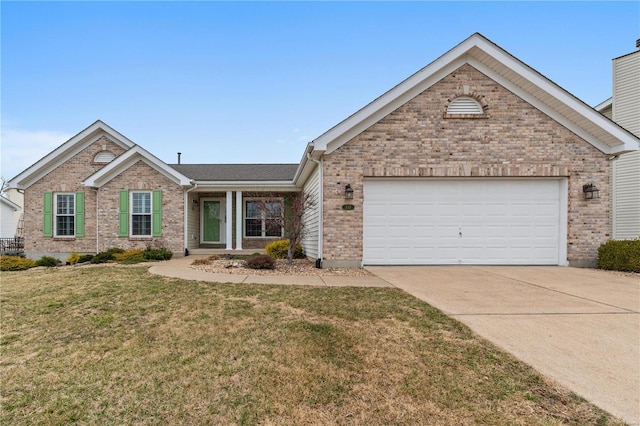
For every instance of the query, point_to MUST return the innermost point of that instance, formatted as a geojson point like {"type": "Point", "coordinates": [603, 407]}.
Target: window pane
{"type": "Point", "coordinates": [141, 224]}
{"type": "Point", "coordinates": [253, 211]}
{"type": "Point", "coordinates": [272, 229]}
{"type": "Point", "coordinates": [141, 203]}
{"type": "Point", "coordinates": [274, 209]}
{"type": "Point", "coordinates": [64, 226]}
{"type": "Point", "coordinates": [64, 203]}
{"type": "Point", "coordinates": [253, 227]}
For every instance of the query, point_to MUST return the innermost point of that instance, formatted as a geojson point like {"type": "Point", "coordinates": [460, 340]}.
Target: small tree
{"type": "Point", "coordinates": [291, 218]}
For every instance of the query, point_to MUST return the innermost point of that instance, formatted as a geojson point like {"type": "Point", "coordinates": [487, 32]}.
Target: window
{"type": "Point", "coordinates": [65, 215]}
{"type": "Point", "coordinates": [141, 214]}
{"type": "Point", "coordinates": [464, 105]}
{"type": "Point", "coordinates": [263, 218]}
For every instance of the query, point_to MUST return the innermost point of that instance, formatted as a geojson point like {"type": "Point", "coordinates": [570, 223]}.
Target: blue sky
{"type": "Point", "coordinates": [255, 82]}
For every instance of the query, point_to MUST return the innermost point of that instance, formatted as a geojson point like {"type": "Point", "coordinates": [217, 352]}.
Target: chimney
{"type": "Point", "coordinates": [179, 154]}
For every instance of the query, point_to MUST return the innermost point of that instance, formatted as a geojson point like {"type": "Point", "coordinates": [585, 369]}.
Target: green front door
{"type": "Point", "coordinates": [211, 221]}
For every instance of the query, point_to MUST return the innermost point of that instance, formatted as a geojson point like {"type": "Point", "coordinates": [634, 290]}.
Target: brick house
{"type": "Point", "coordinates": [475, 159]}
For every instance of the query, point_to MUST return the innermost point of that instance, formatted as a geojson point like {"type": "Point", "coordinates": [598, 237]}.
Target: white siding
{"type": "Point", "coordinates": [626, 92]}
{"type": "Point", "coordinates": [312, 215]}
{"type": "Point", "coordinates": [7, 221]}
{"type": "Point", "coordinates": [626, 196]}
{"type": "Point", "coordinates": [193, 222]}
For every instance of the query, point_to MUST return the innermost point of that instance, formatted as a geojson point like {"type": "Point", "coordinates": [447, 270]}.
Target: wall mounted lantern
{"type": "Point", "coordinates": [590, 191]}
{"type": "Point", "coordinates": [348, 192]}
{"type": "Point", "coordinates": [195, 203]}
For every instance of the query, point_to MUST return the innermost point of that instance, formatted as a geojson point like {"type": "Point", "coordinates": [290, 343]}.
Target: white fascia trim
{"type": "Point", "coordinates": [10, 203]}
{"type": "Point", "coordinates": [395, 97]}
{"type": "Point", "coordinates": [127, 160]}
{"type": "Point", "coordinates": [576, 105]}
{"type": "Point", "coordinates": [256, 186]}
{"type": "Point", "coordinates": [66, 151]}
{"type": "Point", "coordinates": [385, 104]}
{"type": "Point", "coordinates": [604, 104]}
{"type": "Point", "coordinates": [307, 167]}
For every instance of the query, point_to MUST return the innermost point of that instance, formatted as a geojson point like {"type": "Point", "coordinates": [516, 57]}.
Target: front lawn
{"type": "Point", "coordinates": [116, 345]}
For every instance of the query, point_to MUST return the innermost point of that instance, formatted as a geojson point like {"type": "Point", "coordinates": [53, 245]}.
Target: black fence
{"type": "Point", "coordinates": [12, 245]}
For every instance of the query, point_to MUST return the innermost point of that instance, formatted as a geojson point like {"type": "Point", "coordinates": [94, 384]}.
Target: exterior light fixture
{"type": "Point", "coordinates": [590, 191]}
{"type": "Point", "coordinates": [348, 192]}
{"type": "Point", "coordinates": [195, 203]}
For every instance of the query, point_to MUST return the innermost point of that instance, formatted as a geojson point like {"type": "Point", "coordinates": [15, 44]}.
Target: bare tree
{"type": "Point", "coordinates": [290, 217]}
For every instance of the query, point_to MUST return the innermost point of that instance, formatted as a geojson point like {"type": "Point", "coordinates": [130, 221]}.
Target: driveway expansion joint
{"type": "Point", "coordinates": [554, 290]}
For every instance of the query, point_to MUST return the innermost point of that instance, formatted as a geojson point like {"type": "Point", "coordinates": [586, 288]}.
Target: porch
{"type": "Point", "coordinates": [233, 222]}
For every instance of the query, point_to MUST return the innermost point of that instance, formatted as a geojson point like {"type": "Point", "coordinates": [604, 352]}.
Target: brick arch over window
{"type": "Point", "coordinates": [466, 105]}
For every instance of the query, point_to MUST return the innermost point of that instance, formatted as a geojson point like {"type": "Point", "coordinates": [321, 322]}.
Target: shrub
{"type": "Point", "coordinates": [261, 262]}
{"type": "Point", "coordinates": [620, 255]}
{"type": "Point", "coordinates": [85, 258]}
{"type": "Point", "coordinates": [157, 254]}
{"type": "Point", "coordinates": [106, 256]}
{"type": "Point", "coordinates": [15, 263]}
{"type": "Point", "coordinates": [278, 250]}
{"type": "Point", "coordinates": [73, 258]}
{"type": "Point", "coordinates": [47, 261]}
{"type": "Point", "coordinates": [103, 257]}
{"type": "Point", "coordinates": [130, 256]}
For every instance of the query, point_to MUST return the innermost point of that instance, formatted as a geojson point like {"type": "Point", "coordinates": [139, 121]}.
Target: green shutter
{"type": "Point", "coordinates": [48, 214]}
{"type": "Point", "coordinates": [123, 213]}
{"type": "Point", "coordinates": [157, 213]}
{"type": "Point", "coordinates": [79, 222]}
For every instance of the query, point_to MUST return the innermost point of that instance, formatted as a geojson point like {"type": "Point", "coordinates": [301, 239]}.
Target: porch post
{"type": "Point", "coordinates": [228, 236]}
{"type": "Point", "coordinates": [238, 220]}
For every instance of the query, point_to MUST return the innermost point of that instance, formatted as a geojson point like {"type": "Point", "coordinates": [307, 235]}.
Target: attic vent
{"type": "Point", "coordinates": [104, 157]}
{"type": "Point", "coordinates": [464, 105]}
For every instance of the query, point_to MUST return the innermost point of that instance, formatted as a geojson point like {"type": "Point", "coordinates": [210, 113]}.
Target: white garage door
{"type": "Point", "coordinates": [464, 221]}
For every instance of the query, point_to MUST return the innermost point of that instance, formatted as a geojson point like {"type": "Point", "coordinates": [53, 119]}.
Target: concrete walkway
{"type": "Point", "coordinates": [580, 327]}
{"type": "Point", "coordinates": [179, 268]}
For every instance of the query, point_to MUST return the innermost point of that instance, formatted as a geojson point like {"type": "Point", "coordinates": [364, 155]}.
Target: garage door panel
{"type": "Point", "coordinates": [458, 221]}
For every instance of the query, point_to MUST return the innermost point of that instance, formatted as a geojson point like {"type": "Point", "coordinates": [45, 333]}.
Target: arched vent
{"type": "Point", "coordinates": [104, 157]}
{"type": "Point", "coordinates": [464, 105]}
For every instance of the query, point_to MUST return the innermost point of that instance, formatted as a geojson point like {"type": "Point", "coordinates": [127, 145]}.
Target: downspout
{"type": "Point", "coordinates": [186, 217]}
{"type": "Point", "coordinates": [97, 220]}
{"type": "Point", "coordinates": [320, 198]}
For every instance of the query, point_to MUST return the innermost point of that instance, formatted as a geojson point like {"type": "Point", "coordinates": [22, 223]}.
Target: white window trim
{"type": "Point", "coordinates": [262, 214]}
{"type": "Point", "coordinates": [131, 234]}
{"type": "Point", "coordinates": [55, 214]}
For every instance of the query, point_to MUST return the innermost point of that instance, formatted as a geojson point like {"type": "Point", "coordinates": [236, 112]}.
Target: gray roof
{"type": "Point", "coordinates": [238, 172]}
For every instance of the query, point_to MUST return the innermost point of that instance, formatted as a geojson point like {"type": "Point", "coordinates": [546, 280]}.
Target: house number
{"type": "Point", "coordinates": [348, 207]}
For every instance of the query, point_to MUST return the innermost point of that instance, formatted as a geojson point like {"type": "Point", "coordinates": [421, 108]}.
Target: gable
{"type": "Point", "coordinates": [510, 73]}
{"type": "Point", "coordinates": [98, 133]}
{"type": "Point", "coordinates": [129, 159]}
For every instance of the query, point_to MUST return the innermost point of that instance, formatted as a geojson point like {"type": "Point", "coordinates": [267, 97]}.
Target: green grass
{"type": "Point", "coordinates": [116, 345]}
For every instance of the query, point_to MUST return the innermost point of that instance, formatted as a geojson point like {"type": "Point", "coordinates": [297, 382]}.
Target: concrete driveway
{"type": "Point", "coordinates": [581, 327]}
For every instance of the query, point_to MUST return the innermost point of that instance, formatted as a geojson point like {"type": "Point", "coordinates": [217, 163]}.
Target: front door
{"type": "Point", "coordinates": [212, 221]}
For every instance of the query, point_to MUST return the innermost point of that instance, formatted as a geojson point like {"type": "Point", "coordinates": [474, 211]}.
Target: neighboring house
{"type": "Point", "coordinates": [624, 108]}
{"type": "Point", "coordinates": [8, 213]}
{"type": "Point", "coordinates": [475, 159]}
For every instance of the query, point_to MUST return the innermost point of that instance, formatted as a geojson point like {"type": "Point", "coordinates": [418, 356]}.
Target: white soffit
{"type": "Point", "coordinates": [506, 70]}
{"type": "Point", "coordinates": [66, 151]}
